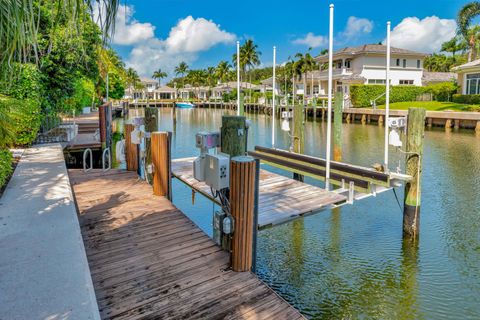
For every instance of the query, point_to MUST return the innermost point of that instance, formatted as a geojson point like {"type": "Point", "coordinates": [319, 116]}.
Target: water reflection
{"type": "Point", "coordinates": [353, 263]}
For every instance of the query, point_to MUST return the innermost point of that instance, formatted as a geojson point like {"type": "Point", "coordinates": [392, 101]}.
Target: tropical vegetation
{"type": "Point", "coordinates": [53, 60]}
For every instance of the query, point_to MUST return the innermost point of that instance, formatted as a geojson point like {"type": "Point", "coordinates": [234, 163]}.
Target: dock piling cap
{"type": "Point", "coordinates": [243, 159]}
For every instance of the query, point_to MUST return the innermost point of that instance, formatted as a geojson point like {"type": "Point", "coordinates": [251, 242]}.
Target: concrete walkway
{"type": "Point", "coordinates": [44, 272]}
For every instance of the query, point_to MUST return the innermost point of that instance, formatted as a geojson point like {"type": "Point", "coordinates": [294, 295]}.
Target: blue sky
{"type": "Point", "coordinates": [159, 34]}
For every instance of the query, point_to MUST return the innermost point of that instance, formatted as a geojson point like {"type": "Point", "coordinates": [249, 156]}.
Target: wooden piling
{"type": "Point", "coordinates": [242, 105]}
{"type": "Point", "coordinates": [298, 134]}
{"type": "Point", "coordinates": [151, 125]}
{"type": "Point", "coordinates": [242, 205]}
{"type": "Point", "coordinates": [233, 135]}
{"type": "Point", "coordinates": [414, 151]}
{"type": "Point", "coordinates": [456, 124]}
{"type": "Point", "coordinates": [380, 121]}
{"type": "Point", "coordinates": [105, 124]}
{"type": "Point", "coordinates": [477, 127]}
{"type": "Point", "coordinates": [348, 118]}
{"type": "Point", "coordinates": [364, 119]}
{"type": "Point", "coordinates": [337, 127]}
{"type": "Point", "coordinates": [131, 150]}
{"type": "Point", "coordinates": [448, 124]}
{"type": "Point", "coordinates": [161, 159]}
{"type": "Point", "coordinates": [314, 101]}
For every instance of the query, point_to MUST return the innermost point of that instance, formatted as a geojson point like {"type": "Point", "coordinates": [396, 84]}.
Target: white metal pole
{"type": "Point", "coordinates": [274, 82]}
{"type": "Point", "coordinates": [238, 78]}
{"type": "Point", "coordinates": [387, 97]}
{"type": "Point", "coordinates": [329, 108]}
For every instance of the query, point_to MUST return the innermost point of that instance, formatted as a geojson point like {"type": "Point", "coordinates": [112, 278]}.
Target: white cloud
{"type": "Point", "coordinates": [185, 40]}
{"type": "Point", "coordinates": [193, 35]}
{"type": "Point", "coordinates": [426, 35]}
{"type": "Point", "coordinates": [311, 40]}
{"type": "Point", "coordinates": [357, 26]}
{"type": "Point", "coordinates": [128, 30]}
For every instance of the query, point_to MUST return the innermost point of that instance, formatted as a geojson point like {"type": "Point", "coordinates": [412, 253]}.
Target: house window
{"type": "Point", "coordinates": [418, 64]}
{"type": "Point", "coordinates": [339, 65]}
{"type": "Point", "coordinates": [316, 89]}
{"type": "Point", "coordinates": [406, 82]}
{"type": "Point", "coordinates": [473, 83]}
{"type": "Point", "coordinates": [347, 64]}
{"type": "Point", "coordinates": [377, 81]}
{"type": "Point", "coordinates": [398, 63]}
{"type": "Point", "coordinates": [404, 63]}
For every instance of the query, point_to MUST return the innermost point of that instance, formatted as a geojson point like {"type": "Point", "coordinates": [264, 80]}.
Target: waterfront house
{"type": "Point", "coordinates": [165, 93]}
{"type": "Point", "coordinates": [469, 77]}
{"type": "Point", "coordinates": [364, 64]}
{"type": "Point", "coordinates": [189, 91]}
{"type": "Point", "coordinates": [226, 88]}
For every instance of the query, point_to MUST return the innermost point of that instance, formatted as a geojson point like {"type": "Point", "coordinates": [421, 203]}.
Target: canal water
{"type": "Point", "coordinates": [351, 262]}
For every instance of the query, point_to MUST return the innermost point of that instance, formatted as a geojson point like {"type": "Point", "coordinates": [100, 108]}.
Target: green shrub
{"type": "Point", "coordinates": [442, 91]}
{"type": "Point", "coordinates": [362, 94]}
{"type": "Point", "coordinates": [24, 117]}
{"type": "Point", "coordinates": [466, 98]}
{"type": "Point", "coordinates": [26, 83]}
{"type": "Point", "coordinates": [83, 96]}
{"type": "Point", "coordinates": [5, 166]}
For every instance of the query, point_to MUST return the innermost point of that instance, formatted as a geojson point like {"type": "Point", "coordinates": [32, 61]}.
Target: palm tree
{"type": "Point", "coordinates": [20, 20]}
{"type": "Point", "coordinates": [223, 71]}
{"type": "Point", "coordinates": [181, 70]}
{"type": "Point", "coordinates": [464, 20]}
{"type": "Point", "coordinates": [132, 79]}
{"type": "Point", "coordinates": [305, 64]}
{"type": "Point", "coordinates": [453, 46]}
{"type": "Point", "coordinates": [159, 75]}
{"type": "Point", "coordinates": [249, 56]}
{"type": "Point", "coordinates": [196, 78]}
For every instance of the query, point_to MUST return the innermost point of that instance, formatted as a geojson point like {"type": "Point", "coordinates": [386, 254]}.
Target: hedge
{"type": "Point", "coordinates": [362, 94]}
{"type": "Point", "coordinates": [25, 119]}
{"type": "Point", "coordinates": [466, 98]}
{"type": "Point", "coordinates": [5, 166]}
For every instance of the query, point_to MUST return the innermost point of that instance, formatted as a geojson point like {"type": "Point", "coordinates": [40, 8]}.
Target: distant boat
{"type": "Point", "coordinates": [185, 105]}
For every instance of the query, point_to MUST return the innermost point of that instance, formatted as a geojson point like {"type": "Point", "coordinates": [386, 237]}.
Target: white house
{"type": "Point", "coordinates": [469, 77]}
{"type": "Point", "coordinates": [365, 64]}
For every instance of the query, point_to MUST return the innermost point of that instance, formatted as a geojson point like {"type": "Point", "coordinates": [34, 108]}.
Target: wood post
{"type": "Point", "coordinates": [161, 158]}
{"type": "Point", "coordinates": [337, 127]}
{"type": "Point", "coordinates": [242, 105]}
{"type": "Point", "coordinates": [151, 125]}
{"type": "Point", "coordinates": [348, 118]}
{"type": "Point", "coordinates": [380, 121]}
{"type": "Point", "coordinates": [429, 122]}
{"type": "Point", "coordinates": [105, 124]}
{"type": "Point", "coordinates": [477, 127]}
{"type": "Point", "coordinates": [364, 119]}
{"type": "Point", "coordinates": [314, 108]}
{"type": "Point", "coordinates": [233, 135]}
{"type": "Point", "coordinates": [456, 124]}
{"type": "Point", "coordinates": [448, 124]}
{"type": "Point", "coordinates": [414, 150]}
{"type": "Point", "coordinates": [242, 208]}
{"type": "Point", "coordinates": [131, 150]}
{"type": "Point", "coordinates": [298, 133]}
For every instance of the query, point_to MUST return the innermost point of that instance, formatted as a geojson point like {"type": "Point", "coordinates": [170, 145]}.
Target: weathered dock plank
{"type": "Point", "coordinates": [148, 260]}
{"type": "Point", "coordinates": [281, 199]}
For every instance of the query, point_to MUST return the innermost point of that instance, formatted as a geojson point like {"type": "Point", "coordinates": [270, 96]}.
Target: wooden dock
{"type": "Point", "coordinates": [87, 137]}
{"type": "Point", "coordinates": [281, 199]}
{"type": "Point", "coordinates": [148, 260]}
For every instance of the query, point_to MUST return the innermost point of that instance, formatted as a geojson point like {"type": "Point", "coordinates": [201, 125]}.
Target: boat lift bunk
{"type": "Point", "coordinates": [353, 181]}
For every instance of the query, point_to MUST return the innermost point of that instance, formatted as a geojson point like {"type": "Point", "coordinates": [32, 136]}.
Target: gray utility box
{"type": "Point", "coordinates": [217, 171]}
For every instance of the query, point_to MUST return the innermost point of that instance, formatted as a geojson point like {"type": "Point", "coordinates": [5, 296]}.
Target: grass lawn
{"type": "Point", "coordinates": [433, 106]}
